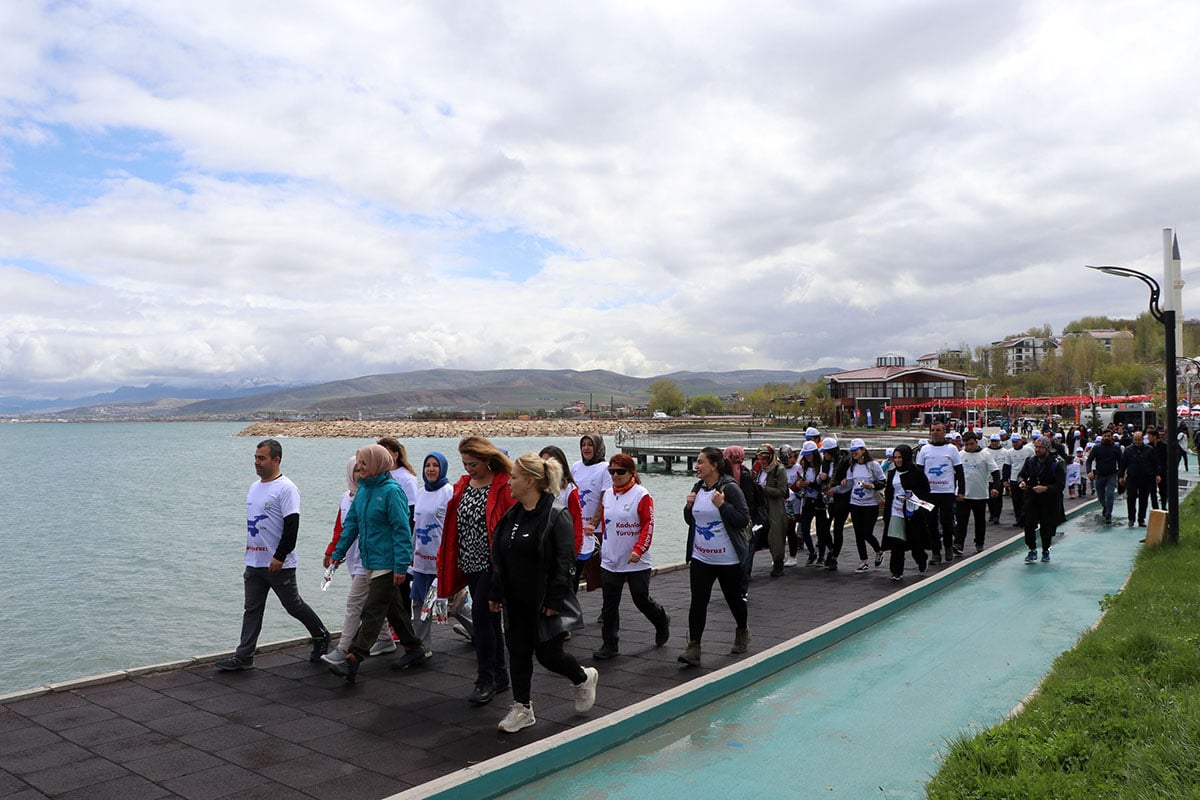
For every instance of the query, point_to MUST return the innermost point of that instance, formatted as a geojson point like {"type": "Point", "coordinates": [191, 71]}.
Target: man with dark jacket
{"type": "Point", "coordinates": [1043, 479]}
{"type": "Point", "coordinates": [1163, 457]}
{"type": "Point", "coordinates": [1102, 466]}
{"type": "Point", "coordinates": [1139, 473]}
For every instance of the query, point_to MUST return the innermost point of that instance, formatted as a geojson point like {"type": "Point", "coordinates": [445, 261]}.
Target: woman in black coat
{"type": "Point", "coordinates": [905, 524]}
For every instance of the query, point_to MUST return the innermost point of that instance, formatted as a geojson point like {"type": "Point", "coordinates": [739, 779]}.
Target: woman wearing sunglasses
{"type": "Point", "coordinates": [627, 528]}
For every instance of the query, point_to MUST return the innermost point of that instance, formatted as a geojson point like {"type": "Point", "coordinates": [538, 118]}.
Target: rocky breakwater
{"type": "Point", "coordinates": [451, 429]}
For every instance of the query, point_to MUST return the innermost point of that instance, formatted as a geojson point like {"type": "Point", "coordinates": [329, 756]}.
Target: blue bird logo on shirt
{"type": "Point", "coordinates": [860, 492]}
{"type": "Point", "coordinates": [424, 533]}
{"type": "Point", "coordinates": [938, 470]}
{"type": "Point", "coordinates": [707, 530]}
{"type": "Point", "coordinates": [583, 493]}
{"type": "Point", "coordinates": [252, 524]}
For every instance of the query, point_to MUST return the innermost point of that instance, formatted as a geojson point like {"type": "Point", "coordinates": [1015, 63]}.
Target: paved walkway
{"type": "Point", "coordinates": [289, 729]}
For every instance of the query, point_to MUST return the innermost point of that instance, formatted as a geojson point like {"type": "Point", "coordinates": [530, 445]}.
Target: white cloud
{"type": "Point", "coordinates": [720, 186]}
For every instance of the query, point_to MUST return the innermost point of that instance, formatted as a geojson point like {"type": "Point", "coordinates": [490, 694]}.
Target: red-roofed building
{"type": "Point", "coordinates": [891, 382]}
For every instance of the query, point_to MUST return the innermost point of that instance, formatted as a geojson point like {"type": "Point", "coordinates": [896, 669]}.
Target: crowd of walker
{"type": "Point", "coordinates": [504, 548]}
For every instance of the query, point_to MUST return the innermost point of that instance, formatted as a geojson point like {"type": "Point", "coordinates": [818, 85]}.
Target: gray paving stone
{"type": "Point", "coordinates": [43, 756]}
{"type": "Point", "coordinates": [128, 787]}
{"type": "Point", "coordinates": [219, 781]}
{"type": "Point", "coordinates": [104, 731]}
{"type": "Point", "coordinates": [181, 724]}
{"type": "Point", "coordinates": [310, 769]}
{"type": "Point", "coordinates": [63, 778]}
{"type": "Point", "coordinates": [150, 743]}
{"type": "Point", "coordinates": [173, 764]}
{"type": "Point", "coordinates": [73, 717]}
{"type": "Point", "coordinates": [265, 753]}
{"type": "Point", "coordinates": [30, 736]}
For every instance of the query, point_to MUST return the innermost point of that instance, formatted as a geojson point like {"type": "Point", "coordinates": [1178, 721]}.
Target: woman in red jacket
{"type": "Point", "coordinates": [479, 501]}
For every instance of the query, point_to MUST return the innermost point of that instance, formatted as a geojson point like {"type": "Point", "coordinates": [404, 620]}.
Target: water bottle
{"type": "Point", "coordinates": [327, 578]}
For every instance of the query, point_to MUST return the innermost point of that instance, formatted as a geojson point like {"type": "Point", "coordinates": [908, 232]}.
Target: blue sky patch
{"type": "Point", "coordinates": [62, 274]}
{"type": "Point", "coordinates": [70, 167]}
{"type": "Point", "coordinates": [511, 253]}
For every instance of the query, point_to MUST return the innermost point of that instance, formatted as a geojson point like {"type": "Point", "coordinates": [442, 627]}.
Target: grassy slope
{"type": "Point", "coordinates": [1119, 715]}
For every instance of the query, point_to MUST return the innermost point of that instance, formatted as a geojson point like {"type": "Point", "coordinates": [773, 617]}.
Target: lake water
{"type": "Point", "coordinates": [123, 542]}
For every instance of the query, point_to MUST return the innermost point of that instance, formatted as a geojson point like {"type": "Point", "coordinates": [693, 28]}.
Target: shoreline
{"type": "Point", "coordinates": [454, 428]}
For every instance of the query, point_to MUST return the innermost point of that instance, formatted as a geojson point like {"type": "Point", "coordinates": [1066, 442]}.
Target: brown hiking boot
{"type": "Point", "coordinates": [690, 655]}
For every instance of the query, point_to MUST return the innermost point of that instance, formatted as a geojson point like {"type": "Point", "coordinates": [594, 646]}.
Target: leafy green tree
{"type": "Point", "coordinates": [705, 404]}
{"type": "Point", "coordinates": [666, 396]}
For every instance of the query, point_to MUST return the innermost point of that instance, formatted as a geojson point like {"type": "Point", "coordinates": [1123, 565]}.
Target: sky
{"type": "Point", "coordinates": [225, 192]}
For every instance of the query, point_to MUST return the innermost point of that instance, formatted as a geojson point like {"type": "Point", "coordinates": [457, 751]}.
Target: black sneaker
{"type": "Point", "coordinates": [234, 663]}
{"type": "Point", "coordinates": [416, 657]}
{"type": "Point", "coordinates": [483, 694]}
{"type": "Point", "coordinates": [958, 550]}
{"type": "Point", "coordinates": [320, 646]}
{"type": "Point", "coordinates": [831, 564]}
{"type": "Point", "coordinates": [501, 682]}
{"type": "Point", "coordinates": [662, 633]}
{"type": "Point", "coordinates": [606, 651]}
{"type": "Point", "coordinates": [935, 559]}
{"type": "Point", "coordinates": [812, 559]}
{"type": "Point", "coordinates": [348, 669]}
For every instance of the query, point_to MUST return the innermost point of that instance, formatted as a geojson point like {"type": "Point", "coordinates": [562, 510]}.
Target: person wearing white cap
{"type": "Point", "coordinates": [812, 504]}
{"type": "Point", "coordinates": [834, 463]}
{"type": "Point", "coordinates": [1074, 473]}
{"type": "Point", "coordinates": [1000, 456]}
{"type": "Point", "coordinates": [1012, 466]}
{"type": "Point", "coordinates": [864, 477]}
{"type": "Point", "coordinates": [942, 464]}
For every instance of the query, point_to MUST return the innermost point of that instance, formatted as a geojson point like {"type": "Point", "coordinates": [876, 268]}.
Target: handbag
{"type": "Point", "coordinates": [569, 619]}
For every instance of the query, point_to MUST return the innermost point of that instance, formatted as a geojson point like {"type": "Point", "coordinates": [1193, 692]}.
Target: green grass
{"type": "Point", "coordinates": [1118, 715]}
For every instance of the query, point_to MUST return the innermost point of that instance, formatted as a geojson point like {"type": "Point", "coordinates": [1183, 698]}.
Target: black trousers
{"type": "Point", "coordinates": [966, 508]}
{"type": "Point", "coordinates": [839, 512]}
{"type": "Point", "coordinates": [815, 510]}
{"type": "Point", "coordinates": [943, 515]}
{"type": "Point", "coordinates": [1137, 494]}
{"type": "Point", "coordinates": [1018, 502]}
{"type": "Point", "coordinates": [523, 646]}
{"type": "Point", "coordinates": [1042, 512]}
{"type": "Point", "coordinates": [639, 590]}
{"type": "Point", "coordinates": [863, 519]}
{"type": "Point", "coordinates": [257, 583]}
{"type": "Point", "coordinates": [488, 633]}
{"type": "Point", "coordinates": [702, 576]}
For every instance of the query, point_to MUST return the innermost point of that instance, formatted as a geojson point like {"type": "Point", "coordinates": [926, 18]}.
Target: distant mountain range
{"type": "Point", "coordinates": [401, 393]}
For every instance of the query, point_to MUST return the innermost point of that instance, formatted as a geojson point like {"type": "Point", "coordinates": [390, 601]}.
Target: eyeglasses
{"type": "Point", "coordinates": [617, 471]}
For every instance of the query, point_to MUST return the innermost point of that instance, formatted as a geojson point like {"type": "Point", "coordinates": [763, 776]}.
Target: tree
{"type": "Point", "coordinates": [705, 404]}
{"type": "Point", "coordinates": [665, 396]}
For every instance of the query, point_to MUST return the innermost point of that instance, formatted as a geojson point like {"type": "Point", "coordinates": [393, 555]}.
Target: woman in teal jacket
{"type": "Point", "coordinates": [378, 519]}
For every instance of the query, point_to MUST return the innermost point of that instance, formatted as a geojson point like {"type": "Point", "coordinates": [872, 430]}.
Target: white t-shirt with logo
{"type": "Point", "coordinates": [711, 544]}
{"type": "Point", "coordinates": [591, 481]}
{"type": "Point", "coordinates": [408, 482]}
{"type": "Point", "coordinates": [939, 461]}
{"type": "Point", "coordinates": [429, 521]}
{"type": "Point", "coordinates": [868, 473]}
{"type": "Point", "coordinates": [266, 506]}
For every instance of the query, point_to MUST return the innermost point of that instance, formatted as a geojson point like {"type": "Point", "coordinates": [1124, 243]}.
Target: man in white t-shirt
{"type": "Point", "coordinates": [941, 462]}
{"type": "Point", "coordinates": [272, 524]}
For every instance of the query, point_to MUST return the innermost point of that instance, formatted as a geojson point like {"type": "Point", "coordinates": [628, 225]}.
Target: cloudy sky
{"type": "Point", "coordinates": [206, 193]}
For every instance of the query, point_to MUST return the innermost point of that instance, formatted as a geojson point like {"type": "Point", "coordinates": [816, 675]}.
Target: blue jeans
{"type": "Point", "coordinates": [1106, 487]}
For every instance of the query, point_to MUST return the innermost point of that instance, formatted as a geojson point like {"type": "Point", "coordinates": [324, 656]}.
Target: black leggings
{"type": "Point", "coordinates": [863, 519]}
{"type": "Point", "coordinates": [702, 576]}
{"type": "Point", "coordinates": [488, 634]}
{"type": "Point", "coordinates": [523, 645]}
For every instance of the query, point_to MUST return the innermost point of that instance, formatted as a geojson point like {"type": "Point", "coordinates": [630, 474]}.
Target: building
{"type": "Point", "coordinates": [1106, 337]}
{"type": "Point", "coordinates": [950, 358]}
{"type": "Point", "coordinates": [1017, 355]}
{"type": "Point", "coordinates": [891, 382]}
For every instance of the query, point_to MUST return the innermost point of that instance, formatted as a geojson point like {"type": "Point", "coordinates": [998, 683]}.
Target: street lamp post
{"type": "Point", "coordinates": [1095, 389]}
{"type": "Point", "coordinates": [1166, 317]}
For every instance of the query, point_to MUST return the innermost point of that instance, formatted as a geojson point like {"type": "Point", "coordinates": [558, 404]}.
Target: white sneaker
{"type": "Point", "coordinates": [383, 646]}
{"type": "Point", "coordinates": [789, 562]}
{"type": "Point", "coordinates": [519, 716]}
{"type": "Point", "coordinates": [585, 693]}
{"type": "Point", "coordinates": [334, 657]}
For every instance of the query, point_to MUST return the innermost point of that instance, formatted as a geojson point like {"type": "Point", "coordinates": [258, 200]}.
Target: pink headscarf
{"type": "Point", "coordinates": [735, 455]}
{"type": "Point", "coordinates": [377, 458]}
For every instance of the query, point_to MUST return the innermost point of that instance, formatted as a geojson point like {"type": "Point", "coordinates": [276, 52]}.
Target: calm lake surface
{"type": "Point", "coordinates": [124, 542]}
